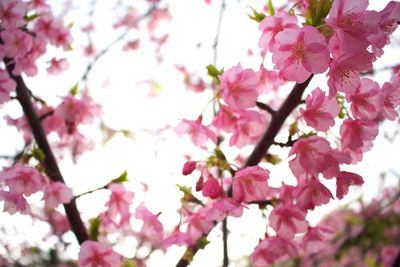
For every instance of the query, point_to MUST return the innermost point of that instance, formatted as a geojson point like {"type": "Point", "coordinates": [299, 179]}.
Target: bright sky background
{"type": "Point", "coordinates": [157, 158]}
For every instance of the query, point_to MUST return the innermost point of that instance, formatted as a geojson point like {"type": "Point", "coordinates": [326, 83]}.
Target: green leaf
{"type": "Point", "coordinates": [94, 228]}
{"type": "Point", "coordinates": [257, 16]}
{"type": "Point", "coordinates": [129, 263]}
{"type": "Point", "coordinates": [202, 243]}
{"type": "Point", "coordinates": [186, 190]}
{"type": "Point", "coordinates": [218, 152]}
{"type": "Point", "coordinates": [317, 12]}
{"type": "Point", "coordinates": [74, 90]}
{"type": "Point", "coordinates": [29, 18]}
{"type": "Point", "coordinates": [122, 178]}
{"type": "Point", "coordinates": [270, 7]}
{"type": "Point", "coordinates": [214, 73]}
{"type": "Point", "coordinates": [38, 154]}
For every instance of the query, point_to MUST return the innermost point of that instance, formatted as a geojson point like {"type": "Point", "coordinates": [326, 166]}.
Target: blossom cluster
{"type": "Point", "coordinates": [344, 45]}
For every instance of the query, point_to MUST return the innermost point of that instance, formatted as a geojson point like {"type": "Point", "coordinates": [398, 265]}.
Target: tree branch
{"type": "Point", "coordinates": [225, 262]}
{"type": "Point", "coordinates": [291, 102]}
{"type": "Point", "coordinates": [50, 163]}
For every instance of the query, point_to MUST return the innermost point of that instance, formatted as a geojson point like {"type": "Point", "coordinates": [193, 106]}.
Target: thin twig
{"type": "Point", "coordinates": [265, 107]}
{"type": "Point", "coordinates": [119, 38]}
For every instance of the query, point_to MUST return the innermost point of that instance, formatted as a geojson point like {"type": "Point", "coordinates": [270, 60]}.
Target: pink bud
{"type": "Point", "coordinates": [211, 188]}
{"type": "Point", "coordinates": [189, 167]}
{"type": "Point", "coordinates": [199, 184]}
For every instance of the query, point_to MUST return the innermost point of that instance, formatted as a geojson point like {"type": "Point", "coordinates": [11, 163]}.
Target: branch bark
{"type": "Point", "coordinates": [279, 117]}
{"type": "Point", "coordinates": [50, 163]}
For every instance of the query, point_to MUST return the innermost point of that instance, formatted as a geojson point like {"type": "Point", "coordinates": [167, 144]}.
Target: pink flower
{"type": "Point", "coordinates": [388, 254]}
{"type": "Point", "coordinates": [198, 224]}
{"type": "Point", "coordinates": [311, 193]}
{"type": "Point", "coordinates": [313, 240]}
{"type": "Point", "coordinates": [57, 193]}
{"type": "Point", "coordinates": [152, 230]}
{"type": "Point", "coordinates": [249, 127]}
{"type": "Point", "coordinates": [74, 111]}
{"type": "Point", "coordinates": [346, 18]}
{"type": "Point", "coordinates": [198, 133]}
{"type": "Point", "coordinates": [16, 42]}
{"type": "Point", "coordinates": [12, 13]}
{"type": "Point", "coordinates": [344, 180]}
{"type": "Point", "coordinates": [175, 238]}
{"type": "Point", "coordinates": [271, 26]}
{"type": "Point", "coordinates": [300, 52]}
{"type": "Point", "coordinates": [250, 184]}
{"type": "Point", "coordinates": [388, 23]}
{"type": "Point", "coordinates": [225, 119]}
{"type": "Point", "coordinates": [311, 156]}
{"type": "Point", "coordinates": [320, 110]}
{"type": "Point", "coordinates": [357, 134]}
{"type": "Point", "coordinates": [344, 71]}
{"type": "Point", "coordinates": [239, 87]}
{"type": "Point", "coordinates": [120, 200]}
{"type": "Point", "coordinates": [23, 179]}
{"type": "Point", "coordinates": [224, 207]}
{"type": "Point", "coordinates": [366, 100]}
{"type": "Point", "coordinates": [272, 250]}
{"type": "Point", "coordinates": [391, 99]}
{"type": "Point", "coordinates": [287, 220]}
{"type": "Point", "coordinates": [14, 202]}
{"type": "Point", "coordinates": [7, 85]}
{"type": "Point", "coordinates": [211, 188]}
{"type": "Point", "coordinates": [58, 221]}
{"type": "Point", "coordinates": [57, 66]}
{"type": "Point", "coordinates": [94, 254]}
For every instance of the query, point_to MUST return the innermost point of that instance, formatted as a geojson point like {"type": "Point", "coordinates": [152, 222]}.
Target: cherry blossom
{"type": "Point", "coordinates": [23, 179]}
{"type": "Point", "coordinates": [198, 133]}
{"type": "Point", "coordinates": [271, 26]}
{"type": "Point", "coordinates": [250, 184]}
{"type": "Point", "coordinates": [313, 240]}
{"type": "Point", "coordinates": [94, 254]}
{"type": "Point", "coordinates": [249, 127]}
{"type": "Point", "coordinates": [239, 87]}
{"type": "Point", "coordinates": [57, 66]}
{"type": "Point", "coordinates": [152, 230]}
{"type": "Point", "coordinates": [14, 202]}
{"type": "Point", "coordinates": [287, 220]}
{"type": "Point", "coordinates": [344, 180]}
{"type": "Point", "coordinates": [311, 156]}
{"type": "Point", "coordinates": [7, 86]}
{"type": "Point", "coordinates": [391, 99]}
{"type": "Point", "coordinates": [120, 200]}
{"type": "Point", "coordinates": [357, 134]}
{"type": "Point", "coordinates": [56, 193]}
{"type": "Point", "coordinates": [320, 110]}
{"type": "Point", "coordinates": [311, 193]}
{"type": "Point", "coordinates": [272, 250]}
{"type": "Point", "coordinates": [298, 53]}
{"type": "Point", "coordinates": [366, 101]}
{"type": "Point", "coordinates": [12, 13]}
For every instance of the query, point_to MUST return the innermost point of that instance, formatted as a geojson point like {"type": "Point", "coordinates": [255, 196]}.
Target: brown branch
{"type": "Point", "coordinates": [291, 102]}
{"type": "Point", "coordinates": [265, 107]}
{"type": "Point", "coordinates": [50, 163]}
{"type": "Point", "coordinates": [225, 261]}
